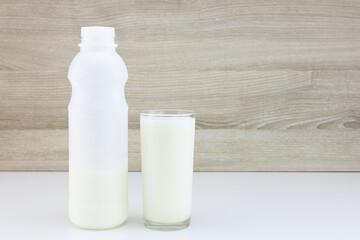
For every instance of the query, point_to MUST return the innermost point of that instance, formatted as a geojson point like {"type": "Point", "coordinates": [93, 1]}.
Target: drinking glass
{"type": "Point", "coordinates": [167, 159]}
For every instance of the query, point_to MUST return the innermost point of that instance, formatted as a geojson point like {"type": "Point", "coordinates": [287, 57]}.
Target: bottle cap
{"type": "Point", "coordinates": [97, 35]}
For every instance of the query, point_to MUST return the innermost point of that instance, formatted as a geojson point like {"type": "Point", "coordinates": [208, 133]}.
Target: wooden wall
{"type": "Point", "coordinates": [275, 84]}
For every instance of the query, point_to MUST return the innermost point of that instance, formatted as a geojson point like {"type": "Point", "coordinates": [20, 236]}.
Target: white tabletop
{"type": "Point", "coordinates": [225, 206]}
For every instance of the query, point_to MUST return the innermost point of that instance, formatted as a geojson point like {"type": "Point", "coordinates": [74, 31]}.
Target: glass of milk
{"type": "Point", "coordinates": [167, 159]}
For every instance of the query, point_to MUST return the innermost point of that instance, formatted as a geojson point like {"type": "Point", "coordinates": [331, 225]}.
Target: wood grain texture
{"type": "Point", "coordinates": [216, 150]}
{"type": "Point", "coordinates": [275, 84]}
{"type": "Point", "coordinates": [222, 99]}
{"type": "Point", "coordinates": [187, 35]}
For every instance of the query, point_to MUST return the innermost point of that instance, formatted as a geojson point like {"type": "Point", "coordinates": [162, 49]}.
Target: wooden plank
{"type": "Point", "coordinates": [31, 150]}
{"type": "Point", "coordinates": [222, 99]}
{"type": "Point", "coordinates": [33, 100]}
{"type": "Point", "coordinates": [273, 100]}
{"type": "Point", "coordinates": [186, 35]}
{"type": "Point", "coordinates": [216, 150]}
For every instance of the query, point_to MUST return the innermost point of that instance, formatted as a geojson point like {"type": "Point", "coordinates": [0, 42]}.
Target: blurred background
{"type": "Point", "coordinates": [275, 84]}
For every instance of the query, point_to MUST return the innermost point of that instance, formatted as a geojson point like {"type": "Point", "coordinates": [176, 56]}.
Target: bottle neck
{"type": "Point", "coordinates": [97, 47]}
{"type": "Point", "coordinates": [97, 42]}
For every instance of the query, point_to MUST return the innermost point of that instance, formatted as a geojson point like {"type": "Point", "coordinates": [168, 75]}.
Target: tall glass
{"type": "Point", "coordinates": [167, 159]}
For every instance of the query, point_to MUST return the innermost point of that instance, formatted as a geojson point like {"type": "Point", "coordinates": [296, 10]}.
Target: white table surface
{"type": "Point", "coordinates": [225, 206]}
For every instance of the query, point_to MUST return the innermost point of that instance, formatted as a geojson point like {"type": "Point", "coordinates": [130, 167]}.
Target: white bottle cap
{"type": "Point", "coordinates": [97, 35]}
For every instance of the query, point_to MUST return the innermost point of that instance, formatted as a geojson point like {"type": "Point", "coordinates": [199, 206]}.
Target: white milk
{"type": "Point", "coordinates": [98, 200]}
{"type": "Point", "coordinates": [167, 153]}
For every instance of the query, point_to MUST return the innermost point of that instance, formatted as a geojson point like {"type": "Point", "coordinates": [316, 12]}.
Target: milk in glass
{"type": "Point", "coordinates": [167, 153]}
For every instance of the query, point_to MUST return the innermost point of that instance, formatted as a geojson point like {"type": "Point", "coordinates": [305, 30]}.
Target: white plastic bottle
{"type": "Point", "coordinates": [98, 133]}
